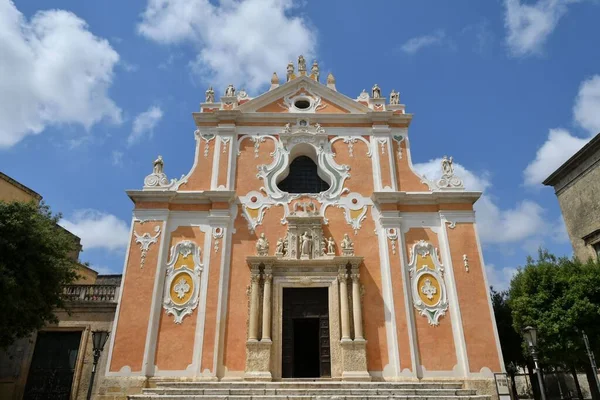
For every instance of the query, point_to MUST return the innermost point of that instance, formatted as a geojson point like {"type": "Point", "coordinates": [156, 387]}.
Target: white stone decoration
{"type": "Point", "coordinates": [347, 246]}
{"type": "Point", "coordinates": [145, 241]}
{"type": "Point", "coordinates": [217, 234]}
{"type": "Point", "coordinates": [392, 235]}
{"type": "Point", "coordinates": [382, 142]}
{"type": "Point", "coordinates": [289, 102]}
{"type": "Point", "coordinates": [350, 140]}
{"type": "Point", "coordinates": [225, 140]}
{"type": "Point", "coordinates": [363, 96]}
{"type": "Point", "coordinates": [448, 179]}
{"type": "Point", "coordinates": [207, 137]}
{"type": "Point", "coordinates": [254, 205]}
{"type": "Point", "coordinates": [210, 95]}
{"type": "Point", "coordinates": [304, 135]}
{"type": "Point", "coordinates": [262, 246]}
{"type": "Point", "coordinates": [398, 139]}
{"type": "Point", "coordinates": [230, 91]}
{"type": "Point", "coordinates": [176, 278]}
{"type": "Point", "coordinates": [433, 312]}
{"type": "Point", "coordinates": [158, 179]}
{"type": "Point", "coordinates": [466, 262]}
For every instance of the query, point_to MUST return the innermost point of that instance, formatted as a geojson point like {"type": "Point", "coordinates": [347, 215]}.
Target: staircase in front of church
{"type": "Point", "coordinates": [308, 390]}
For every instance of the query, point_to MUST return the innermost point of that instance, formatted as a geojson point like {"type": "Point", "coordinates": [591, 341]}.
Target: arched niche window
{"type": "Point", "coordinates": [303, 177]}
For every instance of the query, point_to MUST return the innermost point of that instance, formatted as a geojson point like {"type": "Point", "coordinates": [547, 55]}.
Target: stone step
{"type": "Point", "coordinates": [301, 397]}
{"type": "Point", "coordinates": [310, 391]}
{"type": "Point", "coordinates": [310, 384]}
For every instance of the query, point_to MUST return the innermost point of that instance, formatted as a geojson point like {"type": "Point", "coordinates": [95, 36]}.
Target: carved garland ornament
{"type": "Point", "coordinates": [182, 286]}
{"type": "Point", "coordinates": [145, 241]}
{"type": "Point", "coordinates": [427, 282]}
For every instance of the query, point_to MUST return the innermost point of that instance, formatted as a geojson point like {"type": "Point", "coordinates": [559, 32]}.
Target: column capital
{"type": "Point", "coordinates": [255, 278]}
{"type": "Point", "coordinates": [342, 277]}
{"type": "Point", "coordinates": [355, 277]}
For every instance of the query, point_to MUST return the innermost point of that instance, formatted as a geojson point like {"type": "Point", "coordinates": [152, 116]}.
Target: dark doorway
{"type": "Point", "coordinates": [52, 367]}
{"type": "Point", "coordinates": [305, 347]}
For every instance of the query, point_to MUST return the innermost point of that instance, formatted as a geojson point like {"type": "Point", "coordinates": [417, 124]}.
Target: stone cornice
{"type": "Point", "coordinates": [172, 197]}
{"type": "Point", "coordinates": [279, 262]}
{"type": "Point", "coordinates": [419, 198]}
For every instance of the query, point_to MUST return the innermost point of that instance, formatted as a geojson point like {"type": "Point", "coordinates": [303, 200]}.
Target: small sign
{"type": "Point", "coordinates": [502, 386]}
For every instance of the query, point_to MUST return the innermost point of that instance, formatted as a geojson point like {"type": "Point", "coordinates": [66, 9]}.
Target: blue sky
{"type": "Point", "coordinates": [91, 92]}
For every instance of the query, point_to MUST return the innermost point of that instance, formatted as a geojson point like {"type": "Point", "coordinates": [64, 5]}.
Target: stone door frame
{"type": "Point", "coordinates": [284, 278]}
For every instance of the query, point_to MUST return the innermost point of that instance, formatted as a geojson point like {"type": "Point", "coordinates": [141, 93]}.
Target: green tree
{"type": "Point", "coordinates": [35, 262]}
{"type": "Point", "coordinates": [510, 340]}
{"type": "Point", "coordinates": [560, 297]}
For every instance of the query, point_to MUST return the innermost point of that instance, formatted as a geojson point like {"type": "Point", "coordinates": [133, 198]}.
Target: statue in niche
{"type": "Point", "coordinates": [347, 246]}
{"type": "Point", "coordinates": [210, 95]}
{"type": "Point", "coordinates": [230, 91]}
{"type": "Point", "coordinates": [447, 167]}
{"type": "Point", "coordinates": [279, 246]}
{"type": "Point", "coordinates": [301, 64]}
{"type": "Point", "coordinates": [305, 245]}
{"type": "Point", "coordinates": [330, 246]}
{"type": "Point", "coordinates": [376, 92]}
{"type": "Point", "coordinates": [394, 98]}
{"type": "Point", "coordinates": [262, 245]}
{"type": "Point", "coordinates": [314, 71]}
{"type": "Point", "coordinates": [290, 71]}
{"type": "Point", "coordinates": [158, 166]}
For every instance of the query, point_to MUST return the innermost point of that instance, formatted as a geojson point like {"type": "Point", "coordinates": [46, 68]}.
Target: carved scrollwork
{"type": "Point", "coordinates": [182, 286]}
{"type": "Point", "coordinates": [427, 281]}
{"type": "Point", "coordinates": [145, 241]}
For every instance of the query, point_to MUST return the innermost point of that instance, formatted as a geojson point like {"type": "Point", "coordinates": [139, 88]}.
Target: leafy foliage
{"type": "Point", "coordinates": [559, 296]}
{"type": "Point", "coordinates": [35, 262]}
{"type": "Point", "coordinates": [510, 340]}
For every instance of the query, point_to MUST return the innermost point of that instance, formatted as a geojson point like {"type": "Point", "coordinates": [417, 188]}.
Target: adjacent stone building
{"type": "Point", "coordinates": [302, 244]}
{"type": "Point", "coordinates": [56, 361]}
{"type": "Point", "coordinates": [577, 186]}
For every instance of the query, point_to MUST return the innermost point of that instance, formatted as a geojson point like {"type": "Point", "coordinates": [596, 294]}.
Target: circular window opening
{"type": "Point", "coordinates": [302, 104]}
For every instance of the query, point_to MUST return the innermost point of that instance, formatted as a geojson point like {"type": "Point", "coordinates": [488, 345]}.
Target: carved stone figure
{"type": "Point", "coordinates": [323, 247]}
{"type": "Point", "coordinates": [301, 64]}
{"type": "Point", "coordinates": [279, 246]}
{"type": "Point", "coordinates": [447, 167]}
{"type": "Point", "coordinates": [210, 95]}
{"type": "Point", "coordinates": [347, 246]}
{"type": "Point", "coordinates": [262, 245]}
{"type": "Point", "coordinates": [376, 92]}
{"type": "Point", "coordinates": [290, 71]}
{"type": "Point", "coordinates": [230, 91]}
{"type": "Point", "coordinates": [242, 94]}
{"type": "Point", "coordinates": [330, 246]}
{"type": "Point", "coordinates": [315, 70]}
{"type": "Point", "coordinates": [305, 245]}
{"type": "Point", "coordinates": [394, 98]}
{"type": "Point", "coordinates": [158, 166]}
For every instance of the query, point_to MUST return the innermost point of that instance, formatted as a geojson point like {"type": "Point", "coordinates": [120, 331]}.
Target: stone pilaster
{"type": "Point", "coordinates": [356, 306]}
{"type": "Point", "coordinates": [266, 314]}
{"type": "Point", "coordinates": [342, 279]}
{"type": "Point", "coordinates": [253, 323]}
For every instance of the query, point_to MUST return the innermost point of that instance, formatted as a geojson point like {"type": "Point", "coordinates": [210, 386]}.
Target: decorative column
{"type": "Point", "coordinates": [354, 352]}
{"type": "Point", "coordinates": [266, 316]}
{"type": "Point", "coordinates": [342, 278]}
{"type": "Point", "coordinates": [356, 308]}
{"type": "Point", "coordinates": [253, 325]}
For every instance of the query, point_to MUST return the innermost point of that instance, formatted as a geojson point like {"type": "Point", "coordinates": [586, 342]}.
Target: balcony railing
{"type": "Point", "coordinates": [91, 293]}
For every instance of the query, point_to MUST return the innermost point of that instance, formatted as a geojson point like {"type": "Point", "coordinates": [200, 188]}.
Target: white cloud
{"type": "Point", "coordinates": [586, 110]}
{"type": "Point", "coordinates": [98, 230]}
{"type": "Point", "coordinates": [561, 144]}
{"type": "Point", "coordinates": [499, 278]}
{"type": "Point", "coordinates": [52, 71]}
{"type": "Point", "coordinates": [144, 124]}
{"type": "Point", "coordinates": [530, 25]}
{"type": "Point", "coordinates": [557, 149]}
{"type": "Point", "coordinates": [525, 220]}
{"type": "Point", "coordinates": [237, 42]}
{"type": "Point", "coordinates": [117, 157]}
{"type": "Point", "coordinates": [415, 44]}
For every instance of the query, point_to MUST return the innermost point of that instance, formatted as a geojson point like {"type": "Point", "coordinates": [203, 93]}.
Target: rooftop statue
{"type": "Point", "coordinates": [394, 97]}
{"type": "Point", "coordinates": [376, 92]}
{"type": "Point", "coordinates": [210, 95]}
{"type": "Point", "coordinates": [230, 91]}
{"type": "Point", "coordinates": [301, 64]}
{"type": "Point", "coordinates": [290, 71]}
{"type": "Point", "coordinates": [315, 70]}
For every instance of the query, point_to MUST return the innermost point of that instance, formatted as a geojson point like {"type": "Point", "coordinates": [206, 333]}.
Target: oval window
{"type": "Point", "coordinates": [302, 104]}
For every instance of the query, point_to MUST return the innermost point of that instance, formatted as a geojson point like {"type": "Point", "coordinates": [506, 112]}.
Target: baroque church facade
{"type": "Point", "coordinates": [302, 244]}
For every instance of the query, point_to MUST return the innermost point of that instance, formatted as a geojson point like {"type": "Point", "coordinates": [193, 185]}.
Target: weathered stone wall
{"type": "Point", "coordinates": [580, 205]}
